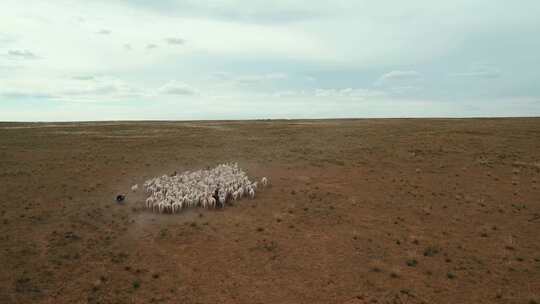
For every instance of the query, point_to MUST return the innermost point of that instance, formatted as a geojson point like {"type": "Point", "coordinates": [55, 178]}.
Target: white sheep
{"type": "Point", "coordinates": [150, 202]}
{"type": "Point", "coordinates": [212, 202]}
{"type": "Point", "coordinates": [155, 207]}
{"type": "Point", "coordinates": [134, 188]}
{"type": "Point", "coordinates": [176, 206]}
{"type": "Point", "coordinates": [240, 192]}
{"type": "Point", "coordinates": [162, 206]}
{"type": "Point", "coordinates": [199, 188]}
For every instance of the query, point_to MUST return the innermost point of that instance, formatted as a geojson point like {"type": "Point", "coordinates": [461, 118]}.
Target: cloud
{"type": "Point", "coordinates": [5, 39]}
{"type": "Point", "coordinates": [21, 54]}
{"type": "Point", "coordinates": [151, 46]}
{"type": "Point", "coordinates": [177, 88]}
{"type": "Point", "coordinates": [399, 76]}
{"type": "Point", "coordinates": [16, 94]}
{"type": "Point", "coordinates": [256, 12]}
{"type": "Point", "coordinates": [96, 87]}
{"type": "Point", "coordinates": [87, 88]}
{"type": "Point", "coordinates": [75, 89]}
{"type": "Point", "coordinates": [93, 90]}
{"type": "Point", "coordinates": [331, 93]}
{"type": "Point", "coordinates": [9, 67]}
{"type": "Point", "coordinates": [175, 41]}
{"type": "Point", "coordinates": [485, 72]}
{"type": "Point", "coordinates": [290, 94]}
{"type": "Point", "coordinates": [83, 77]}
{"type": "Point", "coordinates": [104, 32]}
{"type": "Point", "coordinates": [349, 93]}
{"type": "Point", "coordinates": [249, 79]}
{"type": "Point", "coordinates": [405, 90]}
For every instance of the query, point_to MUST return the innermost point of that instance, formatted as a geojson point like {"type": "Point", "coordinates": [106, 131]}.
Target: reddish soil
{"type": "Point", "coordinates": [358, 211]}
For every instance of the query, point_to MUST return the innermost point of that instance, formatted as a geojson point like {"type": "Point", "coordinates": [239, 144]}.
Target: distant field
{"type": "Point", "coordinates": [392, 210]}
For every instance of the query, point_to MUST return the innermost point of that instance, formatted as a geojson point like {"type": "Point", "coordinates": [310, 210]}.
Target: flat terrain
{"type": "Point", "coordinates": [358, 211]}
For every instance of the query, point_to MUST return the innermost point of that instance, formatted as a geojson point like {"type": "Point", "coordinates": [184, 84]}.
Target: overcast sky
{"type": "Point", "coordinates": [234, 59]}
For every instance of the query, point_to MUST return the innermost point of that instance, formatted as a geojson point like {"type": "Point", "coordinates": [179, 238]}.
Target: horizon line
{"type": "Point", "coordinates": [270, 119]}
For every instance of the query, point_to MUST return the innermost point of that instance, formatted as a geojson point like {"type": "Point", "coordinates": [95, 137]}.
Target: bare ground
{"type": "Point", "coordinates": [359, 211]}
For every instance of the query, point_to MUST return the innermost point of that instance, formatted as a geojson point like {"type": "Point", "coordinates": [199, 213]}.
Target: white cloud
{"type": "Point", "coordinates": [175, 41]}
{"type": "Point", "coordinates": [405, 90]}
{"type": "Point", "coordinates": [84, 77]}
{"type": "Point", "coordinates": [248, 79]}
{"type": "Point", "coordinates": [332, 94]}
{"type": "Point", "coordinates": [481, 71]}
{"type": "Point", "coordinates": [349, 93]}
{"type": "Point", "coordinates": [92, 88]}
{"type": "Point", "coordinates": [399, 76]}
{"type": "Point", "coordinates": [399, 79]}
{"type": "Point", "coordinates": [33, 27]}
{"type": "Point", "coordinates": [75, 89]}
{"type": "Point", "coordinates": [15, 94]}
{"type": "Point", "coordinates": [177, 88]}
{"type": "Point", "coordinates": [21, 54]}
{"type": "Point", "coordinates": [104, 32]}
{"type": "Point", "coordinates": [255, 11]}
{"type": "Point", "coordinates": [6, 39]}
{"type": "Point", "coordinates": [290, 94]}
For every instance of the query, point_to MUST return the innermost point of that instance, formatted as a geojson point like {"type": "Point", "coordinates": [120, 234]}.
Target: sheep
{"type": "Point", "coordinates": [134, 188]}
{"type": "Point", "coordinates": [150, 202]}
{"type": "Point", "coordinates": [206, 188]}
{"type": "Point", "coordinates": [176, 207]}
{"type": "Point", "coordinates": [162, 206]}
{"type": "Point", "coordinates": [212, 202]}
{"type": "Point", "coordinates": [240, 192]}
{"type": "Point", "coordinates": [155, 207]}
{"type": "Point", "coordinates": [222, 200]}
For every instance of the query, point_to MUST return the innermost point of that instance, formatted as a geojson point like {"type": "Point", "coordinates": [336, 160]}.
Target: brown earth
{"type": "Point", "coordinates": [358, 211]}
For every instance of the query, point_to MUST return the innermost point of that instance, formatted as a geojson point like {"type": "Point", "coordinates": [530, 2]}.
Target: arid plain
{"type": "Point", "coordinates": [358, 211]}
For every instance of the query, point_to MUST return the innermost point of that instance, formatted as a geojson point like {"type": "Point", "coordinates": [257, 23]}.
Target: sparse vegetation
{"type": "Point", "coordinates": [412, 263]}
{"type": "Point", "coordinates": [373, 223]}
{"type": "Point", "coordinates": [431, 251]}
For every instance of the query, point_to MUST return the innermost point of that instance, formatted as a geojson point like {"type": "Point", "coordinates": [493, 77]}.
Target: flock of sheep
{"type": "Point", "coordinates": [202, 188]}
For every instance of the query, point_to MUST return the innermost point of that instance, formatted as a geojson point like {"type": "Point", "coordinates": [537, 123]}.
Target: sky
{"type": "Point", "coordinates": [75, 60]}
